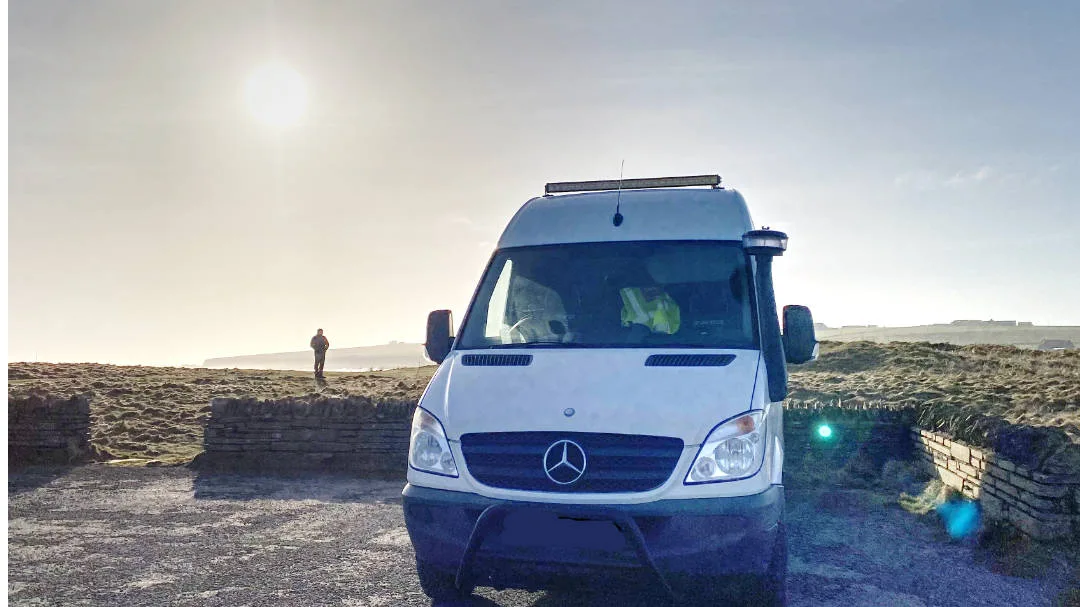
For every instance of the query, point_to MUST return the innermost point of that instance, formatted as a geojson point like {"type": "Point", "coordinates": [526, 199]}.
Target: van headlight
{"type": "Point", "coordinates": [429, 450]}
{"type": "Point", "coordinates": [733, 450]}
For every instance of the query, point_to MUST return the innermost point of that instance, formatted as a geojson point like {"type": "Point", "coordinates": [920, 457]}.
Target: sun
{"type": "Point", "coordinates": [276, 95]}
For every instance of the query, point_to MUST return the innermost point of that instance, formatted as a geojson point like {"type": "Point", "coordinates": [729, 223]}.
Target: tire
{"type": "Point", "coordinates": [439, 585]}
{"type": "Point", "coordinates": [773, 585]}
{"type": "Point", "coordinates": [768, 589]}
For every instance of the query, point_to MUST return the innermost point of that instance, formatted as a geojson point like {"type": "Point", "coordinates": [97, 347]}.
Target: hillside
{"type": "Point", "coordinates": [1024, 400]}
{"type": "Point", "coordinates": [986, 333]}
{"type": "Point", "coordinates": [1020, 401]}
{"type": "Point", "coordinates": [398, 355]}
{"type": "Point", "coordinates": [386, 356]}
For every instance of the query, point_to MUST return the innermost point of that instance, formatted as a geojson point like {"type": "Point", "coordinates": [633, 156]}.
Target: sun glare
{"type": "Point", "coordinates": [276, 95]}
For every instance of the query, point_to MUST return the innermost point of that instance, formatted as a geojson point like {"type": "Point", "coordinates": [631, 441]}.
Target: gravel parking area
{"type": "Point", "coordinates": [96, 535]}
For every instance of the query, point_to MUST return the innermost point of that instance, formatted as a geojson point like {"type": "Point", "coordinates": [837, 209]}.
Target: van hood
{"type": "Point", "coordinates": [607, 390]}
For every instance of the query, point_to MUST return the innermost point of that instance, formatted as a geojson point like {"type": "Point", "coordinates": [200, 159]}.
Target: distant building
{"type": "Point", "coordinates": [1056, 344]}
{"type": "Point", "coordinates": [987, 323]}
{"type": "Point", "coordinates": [1022, 323]}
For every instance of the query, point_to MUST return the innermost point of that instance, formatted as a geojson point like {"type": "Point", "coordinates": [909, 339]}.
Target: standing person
{"type": "Point", "coordinates": [320, 344]}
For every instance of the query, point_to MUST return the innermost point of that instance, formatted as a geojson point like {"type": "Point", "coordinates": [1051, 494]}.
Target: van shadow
{"type": "Point", "coordinates": [330, 487]}
{"type": "Point", "coordinates": [576, 595]}
{"type": "Point", "coordinates": [23, 478]}
{"type": "Point", "coordinates": [473, 601]}
{"type": "Point", "coordinates": [565, 598]}
{"type": "Point", "coordinates": [594, 598]}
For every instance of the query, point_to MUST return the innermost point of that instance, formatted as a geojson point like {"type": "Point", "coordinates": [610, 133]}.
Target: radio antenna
{"type": "Point", "coordinates": [617, 219]}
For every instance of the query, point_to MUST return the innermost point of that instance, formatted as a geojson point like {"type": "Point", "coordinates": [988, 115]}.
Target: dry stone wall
{"type": "Point", "coordinates": [1045, 506]}
{"type": "Point", "coordinates": [869, 436]}
{"type": "Point", "coordinates": [44, 428]}
{"type": "Point", "coordinates": [328, 434]}
{"type": "Point", "coordinates": [359, 435]}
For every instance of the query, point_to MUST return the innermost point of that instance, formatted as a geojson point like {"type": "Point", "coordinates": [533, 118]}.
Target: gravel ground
{"type": "Point", "coordinates": [97, 535]}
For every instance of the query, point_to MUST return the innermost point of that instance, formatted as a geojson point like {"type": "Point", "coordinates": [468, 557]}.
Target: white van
{"type": "Point", "coordinates": [612, 403]}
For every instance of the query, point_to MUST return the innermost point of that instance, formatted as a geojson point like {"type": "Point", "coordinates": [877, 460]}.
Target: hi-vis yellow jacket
{"type": "Point", "coordinates": [659, 313]}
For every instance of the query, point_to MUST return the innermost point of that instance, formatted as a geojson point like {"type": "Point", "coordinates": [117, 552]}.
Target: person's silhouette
{"type": "Point", "coordinates": [320, 344]}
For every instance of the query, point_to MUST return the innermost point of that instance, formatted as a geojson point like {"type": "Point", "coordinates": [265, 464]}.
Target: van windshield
{"type": "Point", "coordinates": [665, 294]}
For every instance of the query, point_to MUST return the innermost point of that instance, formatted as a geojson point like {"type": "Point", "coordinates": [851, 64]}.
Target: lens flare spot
{"type": "Point", "coordinates": [824, 431]}
{"type": "Point", "coordinates": [961, 517]}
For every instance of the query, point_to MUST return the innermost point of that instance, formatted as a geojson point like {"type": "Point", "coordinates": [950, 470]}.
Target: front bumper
{"type": "Point", "coordinates": [530, 545]}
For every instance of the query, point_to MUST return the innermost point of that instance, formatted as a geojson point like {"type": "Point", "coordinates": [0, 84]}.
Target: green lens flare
{"type": "Point", "coordinates": [824, 431]}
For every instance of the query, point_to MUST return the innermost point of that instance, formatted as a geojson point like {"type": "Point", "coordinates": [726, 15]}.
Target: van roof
{"type": "Point", "coordinates": [653, 214]}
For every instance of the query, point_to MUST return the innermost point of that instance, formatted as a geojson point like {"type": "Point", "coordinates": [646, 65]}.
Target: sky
{"type": "Point", "coordinates": [919, 155]}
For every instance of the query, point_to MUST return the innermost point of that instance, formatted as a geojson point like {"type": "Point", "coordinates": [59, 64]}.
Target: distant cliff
{"type": "Point", "coordinates": [395, 355]}
{"type": "Point", "coordinates": [1002, 333]}
{"type": "Point", "coordinates": [387, 356]}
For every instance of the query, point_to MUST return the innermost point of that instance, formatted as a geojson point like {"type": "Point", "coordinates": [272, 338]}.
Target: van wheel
{"type": "Point", "coordinates": [440, 585]}
{"type": "Point", "coordinates": [773, 585]}
{"type": "Point", "coordinates": [766, 590]}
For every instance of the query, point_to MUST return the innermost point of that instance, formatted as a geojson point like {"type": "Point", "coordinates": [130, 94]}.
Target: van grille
{"type": "Point", "coordinates": [616, 463]}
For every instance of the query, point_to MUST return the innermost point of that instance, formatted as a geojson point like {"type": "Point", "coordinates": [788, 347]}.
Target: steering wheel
{"type": "Point", "coordinates": [517, 327]}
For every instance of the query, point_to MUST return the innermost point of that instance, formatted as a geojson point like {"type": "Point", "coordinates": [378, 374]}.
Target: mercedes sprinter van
{"type": "Point", "coordinates": [612, 402]}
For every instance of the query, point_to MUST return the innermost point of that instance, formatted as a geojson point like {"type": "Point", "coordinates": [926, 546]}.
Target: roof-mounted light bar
{"type": "Point", "coordinates": [632, 184]}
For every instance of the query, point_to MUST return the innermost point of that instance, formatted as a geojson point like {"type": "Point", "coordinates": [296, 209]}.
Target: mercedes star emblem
{"type": "Point", "coordinates": [564, 462]}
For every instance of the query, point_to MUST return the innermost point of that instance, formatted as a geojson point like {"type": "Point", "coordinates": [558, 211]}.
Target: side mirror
{"type": "Point", "coordinates": [440, 335]}
{"type": "Point", "coordinates": [800, 343]}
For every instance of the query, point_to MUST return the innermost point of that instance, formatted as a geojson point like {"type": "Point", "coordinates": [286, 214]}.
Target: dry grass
{"type": "Point", "coordinates": [981, 394]}
{"type": "Point", "coordinates": [1024, 403]}
{"type": "Point", "coordinates": [1027, 385]}
{"type": "Point", "coordinates": [156, 413]}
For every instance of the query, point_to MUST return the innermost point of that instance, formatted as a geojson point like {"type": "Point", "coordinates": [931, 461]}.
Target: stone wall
{"type": "Point", "coordinates": [1045, 506]}
{"type": "Point", "coordinates": [867, 436]}
{"type": "Point", "coordinates": [44, 428]}
{"type": "Point", "coordinates": [358, 435]}
{"type": "Point", "coordinates": [328, 434]}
